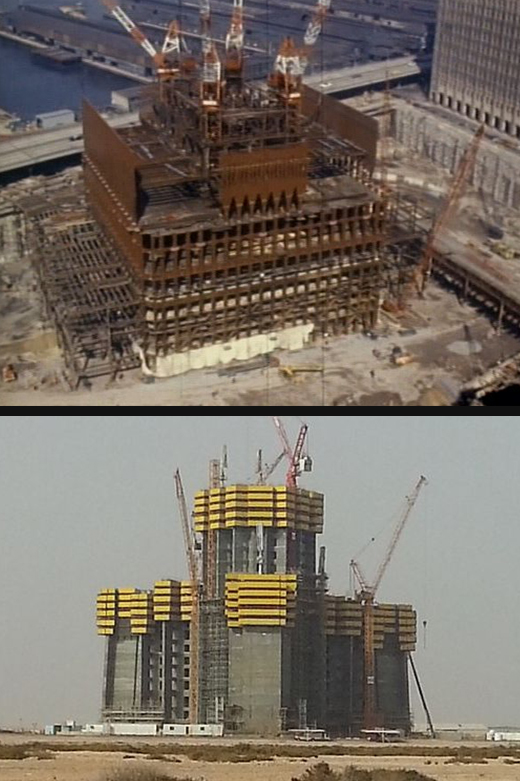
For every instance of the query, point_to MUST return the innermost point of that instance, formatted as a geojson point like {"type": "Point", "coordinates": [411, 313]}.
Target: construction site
{"type": "Point", "coordinates": [253, 642]}
{"type": "Point", "coordinates": [249, 225]}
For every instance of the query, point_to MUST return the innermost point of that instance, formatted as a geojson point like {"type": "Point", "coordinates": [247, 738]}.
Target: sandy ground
{"type": "Point", "coordinates": [91, 766]}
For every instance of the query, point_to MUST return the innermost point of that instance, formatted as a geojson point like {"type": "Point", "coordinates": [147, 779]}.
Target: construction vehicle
{"type": "Point", "coordinates": [298, 462]}
{"type": "Point", "coordinates": [504, 250]}
{"type": "Point", "coordinates": [366, 594]}
{"type": "Point", "coordinates": [400, 357]}
{"type": "Point", "coordinates": [194, 569]}
{"type": "Point", "coordinates": [289, 372]}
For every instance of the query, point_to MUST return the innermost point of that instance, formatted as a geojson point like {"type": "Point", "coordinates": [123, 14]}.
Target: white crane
{"type": "Point", "coordinates": [291, 61]}
{"type": "Point", "coordinates": [166, 69]}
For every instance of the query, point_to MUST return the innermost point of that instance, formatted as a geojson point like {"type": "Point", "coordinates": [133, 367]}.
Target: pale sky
{"type": "Point", "coordinates": [88, 503]}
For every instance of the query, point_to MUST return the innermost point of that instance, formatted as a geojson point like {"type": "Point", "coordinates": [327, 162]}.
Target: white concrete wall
{"type": "Point", "coordinates": [496, 171]}
{"type": "Point", "coordinates": [236, 350]}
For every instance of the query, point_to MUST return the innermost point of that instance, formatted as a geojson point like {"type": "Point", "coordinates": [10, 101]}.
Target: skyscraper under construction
{"type": "Point", "coordinates": [259, 636]}
{"type": "Point", "coordinates": [236, 218]}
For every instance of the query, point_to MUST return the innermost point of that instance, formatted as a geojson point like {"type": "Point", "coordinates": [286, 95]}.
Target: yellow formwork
{"type": "Point", "coordinates": [245, 505]}
{"type": "Point", "coordinates": [343, 617]}
{"type": "Point", "coordinates": [125, 603]}
{"type": "Point", "coordinates": [260, 600]}
{"type": "Point", "coordinates": [106, 611]}
{"type": "Point", "coordinates": [166, 600]}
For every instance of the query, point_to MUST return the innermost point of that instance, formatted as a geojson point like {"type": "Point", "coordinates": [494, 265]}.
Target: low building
{"type": "Point", "coordinates": [455, 731]}
{"type": "Point", "coordinates": [53, 119]}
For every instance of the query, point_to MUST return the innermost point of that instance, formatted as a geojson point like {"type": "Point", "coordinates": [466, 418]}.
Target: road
{"type": "Point", "coordinates": [27, 149]}
{"type": "Point", "coordinates": [365, 76]}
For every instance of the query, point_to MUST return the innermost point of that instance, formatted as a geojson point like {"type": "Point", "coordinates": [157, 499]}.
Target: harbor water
{"type": "Point", "coordinates": [29, 87]}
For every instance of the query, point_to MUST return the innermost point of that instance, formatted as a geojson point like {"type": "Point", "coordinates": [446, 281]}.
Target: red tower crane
{"type": "Point", "coordinates": [455, 192]}
{"type": "Point", "coordinates": [366, 595]}
{"type": "Point", "coordinates": [297, 462]}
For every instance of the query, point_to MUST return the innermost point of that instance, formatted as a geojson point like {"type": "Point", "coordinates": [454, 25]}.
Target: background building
{"type": "Point", "coordinates": [276, 651]}
{"type": "Point", "coordinates": [476, 55]}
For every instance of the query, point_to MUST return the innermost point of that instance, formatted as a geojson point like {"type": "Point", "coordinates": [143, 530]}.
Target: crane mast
{"type": "Point", "coordinates": [217, 479]}
{"type": "Point", "coordinates": [211, 81]}
{"type": "Point", "coordinates": [366, 594]}
{"type": "Point", "coordinates": [205, 21]}
{"type": "Point", "coordinates": [194, 571]}
{"type": "Point", "coordinates": [235, 41]}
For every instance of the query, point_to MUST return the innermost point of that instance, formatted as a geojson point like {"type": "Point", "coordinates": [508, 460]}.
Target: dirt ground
{"type": "Point", "coordinates": [448, 342]}
{"type": "Point", "coordinates": [445, 341]}
{"type": "Point", "coordinates": [93, 766]}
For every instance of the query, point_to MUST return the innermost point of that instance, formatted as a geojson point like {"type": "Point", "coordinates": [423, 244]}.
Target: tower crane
{"type": "Point", "coordinates": [217, 479]}
{"type": "Point", "coordinates": [313, 30]}
{"type": "Point", "coordinates": [366, 595]}
{"type": "Point", "coordinates": [291, 61]}
{"type": "Point", "coordinates": [297, 463]}
{"type": "Point", "coordinates": [166, 66]}
{"type": "Point", "coordinates": [205, 20]}
{"type": "Point", "coordinates": [211, 80]}
{"type": "Point", "coordinates": [264, 471]}
{"type": "Point", "coordinates": [195, 580]}
{"type": "Point", "coordinates": [455, 192]}
{"type": "Point", "coordinates": [235, 41]}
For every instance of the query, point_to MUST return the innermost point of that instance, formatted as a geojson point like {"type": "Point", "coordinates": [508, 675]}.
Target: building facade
{"type": "Point", "coordinates": [475, 66]}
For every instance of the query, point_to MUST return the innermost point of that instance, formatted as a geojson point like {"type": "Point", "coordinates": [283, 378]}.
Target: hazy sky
{"type": "Point", "coordinates": [88, 503]}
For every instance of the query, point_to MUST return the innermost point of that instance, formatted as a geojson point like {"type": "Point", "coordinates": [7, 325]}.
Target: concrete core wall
{"type": "Point", "coordinates": [126, 688]}
{"type": "Point", "coordinates": [255, 677]}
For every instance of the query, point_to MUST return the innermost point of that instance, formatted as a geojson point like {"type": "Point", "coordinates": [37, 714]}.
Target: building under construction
{"type": "Point", "coordinates": [247, 221]}
{"type": "Point", "coordinates": [238, 217]}
{"type": "Point", "coordinates": [253, 641]}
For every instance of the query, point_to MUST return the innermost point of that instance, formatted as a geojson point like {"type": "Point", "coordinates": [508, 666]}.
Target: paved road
{"type": "Point", "coordinates": [356, 76]}
{"type": "Point", "coordinates": [21, 150]}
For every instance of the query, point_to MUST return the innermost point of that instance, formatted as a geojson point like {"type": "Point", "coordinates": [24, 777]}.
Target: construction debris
{"type": "Point", "coordinates": [8, 373]}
